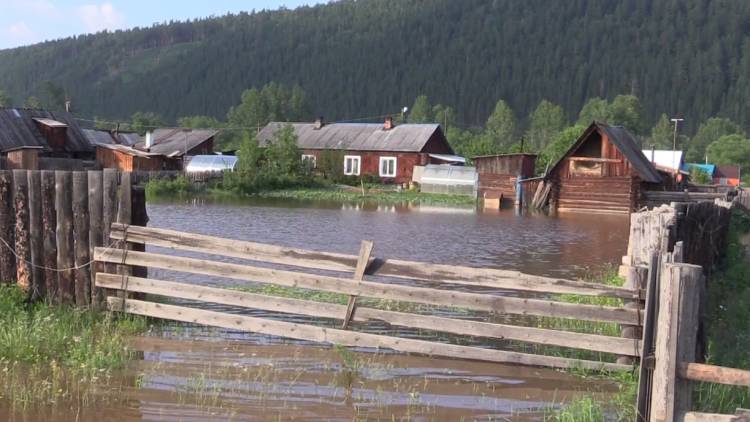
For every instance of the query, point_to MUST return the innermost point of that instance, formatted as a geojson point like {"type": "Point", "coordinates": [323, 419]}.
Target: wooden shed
{"type": "Point", "coordinates": [603, 172]}
{"type": "Point", "coordinates": [23, 158]}
{"type": "Point", "coordinates": [498, 173]}
{"type": "Point", "coordinates": [125, 158]}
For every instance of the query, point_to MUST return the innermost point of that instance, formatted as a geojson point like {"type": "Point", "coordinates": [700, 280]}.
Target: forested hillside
{"type": "Point", "coordinates": [368, 57]}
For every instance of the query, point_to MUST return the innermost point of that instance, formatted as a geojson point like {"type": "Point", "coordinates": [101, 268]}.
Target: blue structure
{"type": "Point", "coordinates": [708, 168]}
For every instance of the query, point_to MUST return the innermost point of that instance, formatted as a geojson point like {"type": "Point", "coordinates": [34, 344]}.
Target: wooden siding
{"type": "Point", "coordinates": [23, 159]}
{"type": "Point", "coordinates": [119, 160]}
{"type": "Point", "coordinates": [370, 163]}
{"type": "Point", "coordinates": [498, 173]}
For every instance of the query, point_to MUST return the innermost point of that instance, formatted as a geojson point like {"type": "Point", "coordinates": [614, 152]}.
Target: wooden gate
{"type": "Point", "coordinates": [482, 294]}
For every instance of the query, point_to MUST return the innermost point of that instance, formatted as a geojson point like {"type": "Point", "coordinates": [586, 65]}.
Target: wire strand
{"type": "Point", "coordinates": [57, 270]}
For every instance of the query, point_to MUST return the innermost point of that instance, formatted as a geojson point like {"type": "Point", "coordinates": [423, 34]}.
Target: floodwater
{"type": "Point", "coordinates": [195, 373]}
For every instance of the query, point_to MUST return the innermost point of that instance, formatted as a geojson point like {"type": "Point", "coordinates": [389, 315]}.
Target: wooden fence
{"type": "Point", "coordinates": [386, 279]}
{"type": "Point", "coordinates": [50, 223]}
{"type": "Point", "coordinates": [679, 245]}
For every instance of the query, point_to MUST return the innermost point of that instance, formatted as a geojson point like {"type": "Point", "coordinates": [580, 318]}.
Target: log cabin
{"type": "Point", "coordinates": [498, 175]}
{"type": "Point", "coordinates": [604, 171]}
{"type": "Point", "coordinates": [385, 151]}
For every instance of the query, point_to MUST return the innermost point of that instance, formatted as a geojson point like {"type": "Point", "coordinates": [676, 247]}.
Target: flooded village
{"type": "Point", "coordinates": [578, 251]}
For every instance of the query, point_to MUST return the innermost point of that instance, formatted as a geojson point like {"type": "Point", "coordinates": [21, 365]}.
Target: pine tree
{"type": "Point", "coordinates": [546, 122]}
{"type": "Point", "coordinates": [421, 111]}
{"type": "Point", "coordinates": [502, 126]}
{"type": "Point", "coordinates": [662, 135]}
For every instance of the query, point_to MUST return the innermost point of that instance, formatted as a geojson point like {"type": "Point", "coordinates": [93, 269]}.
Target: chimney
{"type": "Point", "coordinates": [68, 105]}
{"type": "Point", "coordinates": [319, 123]}
{"type": "Point", "coordinates": [149, 140]}
{"type": "Point", "coordinates": [388, 125]}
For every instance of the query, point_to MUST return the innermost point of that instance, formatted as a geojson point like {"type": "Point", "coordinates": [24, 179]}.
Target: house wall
{"type": "Point", "coordinates": [498, 174]}
{"type": "Point", "coordinates": [603, 186]}
{"type": "Point", "coordinates": [56, 136]}
{"type": "Point", "coordinates": [205, 148]}
{"type": "Point", "coordinates": [108, 158]}
{"type": "Point", "coordinates": [370, 163]}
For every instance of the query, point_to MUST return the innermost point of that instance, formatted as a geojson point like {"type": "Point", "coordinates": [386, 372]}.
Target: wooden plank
{"type": "Point", "coordinates": [64, 236]}
{"type": "Point", "coordinates": [346, 338]}
{"type": "Point", "coordinates": [7, 228]}
{"type": "Point", "coordinates": [109, 209]}
{"type": "Point", "coordinates": [95, 195]}
{"type": "Point", "coordinates": [49, 228]}
{"type": "Point", "coordinates": [22, 234]}
{"type": "Point", "coordinates": [691, 280]}
{"type": "Point", "coordinates": [709, 417]}
{"type": "Point", "coordinates": [81, 230]}
{"type": "Point", "coordinates": [365, 251]}
{"type": "Point", "coordinates": [125, 216]}
{"type": "Point", "coordinates": [550, 337]}
{"type": "Point", "coordinates": [645, 377]}
{"type": "Point", "coordinates": [36, 229]}
{"type": "Point", "coordinates": [485, 277]}
{"type": "Point", "coordinates": [474, 301]}
{"type": "Point", "coordinates": [712, 373]}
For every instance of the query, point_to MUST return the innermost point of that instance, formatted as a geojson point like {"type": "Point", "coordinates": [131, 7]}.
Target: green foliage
{"type": "Point", "coordinates": [555, 150]}
{"type": "Point", "coordinates": [199, 122]}
{"type": "Point", "coordinates": [330, 164]}
{"type": "Point", "coordinates": [585, 409]}
{"type": "Point", "coordinates": [32, 102]}
{"type": "Point", "coordinates": [444, 115]}
{"type": "Point", "coordinates": [53, 96]}
{"type": "Point", "coordinates": [626, 110]}
{"type": "Point", "coordinates": [546, 122]}
{"type": "Point", "coordinates": [143, 122]}
{"type": "Point", "coordinates": [700, 176]}
{"type": "Point", "coordinates": [662, 134]}
{"type": "Point", "coordinates": [595, 109]}
{"type": "Point", "coordinates": [421, 111]}
{"type": "Point", "coordinates": [708, 132]}
{"type": "Point", "coordinates": [5, 100]}
{"type": "Point", "coordinates": [277, 165]}
{"type": "Point", "coordinates": [502, 126]}
{"type": "Point", "coordinates": [180, 186]}
{"type": "Point", "coordinates": [371, 57]}
{"type": "Point", "coordinates": [730, 149]}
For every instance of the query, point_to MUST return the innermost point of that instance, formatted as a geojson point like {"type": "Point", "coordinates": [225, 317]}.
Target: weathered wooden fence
{"type": "Point", "coordinates": [390, 280]}
{"type": "Point", "coordinates": [50, 223]}
{"type": "Point", "coordinates": [678, 245]}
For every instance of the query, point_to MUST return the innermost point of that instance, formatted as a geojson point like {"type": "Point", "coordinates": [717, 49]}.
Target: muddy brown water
{"type": "Point", "coordinates": [194, 373]}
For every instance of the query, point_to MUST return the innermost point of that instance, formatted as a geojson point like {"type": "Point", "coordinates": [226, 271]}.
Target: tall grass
{"type": "Point", "coordinates": [58, 355]}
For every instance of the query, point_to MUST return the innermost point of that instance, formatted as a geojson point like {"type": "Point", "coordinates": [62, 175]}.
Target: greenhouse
{"type": "Point", "coordinates": [211, 163]}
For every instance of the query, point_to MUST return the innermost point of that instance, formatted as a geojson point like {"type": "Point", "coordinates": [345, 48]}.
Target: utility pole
{"type": "Point", "coordinates": [676, 121]}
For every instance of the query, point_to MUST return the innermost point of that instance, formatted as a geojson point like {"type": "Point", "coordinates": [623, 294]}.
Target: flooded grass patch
{"type": "Point", "coordinates": [380, 195]}
{"type": "Point", "coordinates": [58, 355]}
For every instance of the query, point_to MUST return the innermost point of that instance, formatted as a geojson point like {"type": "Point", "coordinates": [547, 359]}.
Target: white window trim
{"type": "Point", "coordinates": [359, 164]}
{"type": "Point", "coordinates": [395, 166]}
{"type": "Point", "coordinates": [312, 158]}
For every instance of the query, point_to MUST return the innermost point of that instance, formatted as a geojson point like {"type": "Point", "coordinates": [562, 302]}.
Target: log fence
{"type": "Point", "coordinates": [50, 221]}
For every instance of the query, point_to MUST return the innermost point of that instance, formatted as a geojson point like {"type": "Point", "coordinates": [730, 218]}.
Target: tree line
{"type": "Point", "coordinates": [688, 58]}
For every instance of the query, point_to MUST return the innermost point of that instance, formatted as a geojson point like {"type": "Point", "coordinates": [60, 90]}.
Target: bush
{"type": "Point", "coordinates": [179, 186]}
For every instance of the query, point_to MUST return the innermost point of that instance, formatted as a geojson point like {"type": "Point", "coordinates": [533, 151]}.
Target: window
{"type": "Point", "coordinates": [310, 159]}
{"type": "Point", "coordinates": [387, 166]}
{"type": "Point", "coordinates": [351, 165]}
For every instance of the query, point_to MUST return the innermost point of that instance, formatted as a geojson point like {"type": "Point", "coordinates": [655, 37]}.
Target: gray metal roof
{"type": "Point", "coordinates": [172, 142]}
{"type": "Point", "coordinates": [356, 136]}
{"type": "Point", "coordinates": [18, 129]}
{"type": "Point", "coordinates": [98, 137]}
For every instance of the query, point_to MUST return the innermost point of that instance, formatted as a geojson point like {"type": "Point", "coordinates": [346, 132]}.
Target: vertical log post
{"type": "Point", "coordinates": [109, 213]}
{"type": "Point", "coordinates": [23, 237]}
{"type": "Point", "coordinates": [7, 228]}
{"type": "Point", "coordinates": [49, 236]}
{"type": "Point", "coordinates": [646, 374]}
{"type": "Point", "coordinates": [139, 218]}
{"type": "Point", "coordinates": [64, 234]}
{"type": "Point", "coordinates": [637, 279]}
{"type": "Point", "coordinates": [125, 216]}
{"type": "Point", "coordinates": [95, 230]}
{"type": "Point", "coordinates": [677, 329]}
{"type": "Point", "coordinates": [81, 236]}
{"type": "Point", "coordinates": [36, 227]}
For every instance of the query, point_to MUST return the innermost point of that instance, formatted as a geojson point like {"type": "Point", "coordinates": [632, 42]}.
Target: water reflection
{"type": "Point", "coordinates": [563, 246]}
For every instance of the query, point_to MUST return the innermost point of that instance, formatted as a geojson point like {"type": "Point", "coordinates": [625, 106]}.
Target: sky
{"type": "Point", "coordinates": [24, 22]}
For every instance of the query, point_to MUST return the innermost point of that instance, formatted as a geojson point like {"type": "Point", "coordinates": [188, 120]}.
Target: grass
{"type": "Point", "coordinates": [728, 315]}
{"type": "Point", "coordinates": [58, 355]}
{"type": "Point", "coordinates": [377, 194]}
{"type": "Point", "coordinates": [178, 187]}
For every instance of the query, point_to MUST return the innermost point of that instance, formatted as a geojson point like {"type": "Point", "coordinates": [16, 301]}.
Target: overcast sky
{"type": "Point", "coordinates": [24, 22]}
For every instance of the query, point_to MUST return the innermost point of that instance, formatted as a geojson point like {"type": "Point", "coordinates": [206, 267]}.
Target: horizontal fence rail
{"type": "Point", "coordinates": [406, 287]}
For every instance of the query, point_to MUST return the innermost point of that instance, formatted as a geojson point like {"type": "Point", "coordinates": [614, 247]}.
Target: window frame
{"type": "Point", "coordinates": [310, 157]}
{"type": "Point", "coordinates": [395, 166]}
{"type": "Point", "coordinates": [358, 158]}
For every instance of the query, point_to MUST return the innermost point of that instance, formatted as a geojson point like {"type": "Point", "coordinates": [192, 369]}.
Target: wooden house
{"type": "Point", "coordinates": [53, 134]}
{"type": "Point", "coordinates": [727, 175]}
{"type": "Point", "coordinates": [386, 151]}
{"type": "Point", "coordinates": [604, 171]}
{"type": "Point", "coordinates": [162, 149]}
{"type": "Point", "coordinates": [498, 174]}
{"type": "Point", "coordinates": [23, 158]}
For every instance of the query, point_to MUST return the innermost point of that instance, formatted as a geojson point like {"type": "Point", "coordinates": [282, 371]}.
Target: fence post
{"type": "Point", "coordinates": [64, 234]}
{"type": "Point", "coordinates": [95, 229]}
{"type": "Point", "coordinates": [49, 227]}
{"type": "Point", "coordinates": [23, 240]}
{"type": "Point", "coordinates": [7, 228]}
{"type": "Point", "coordinates": [81, 230]}
{"type": "Point", "coordinates": [677, 328]}
{"type": "Point", "coordinates": [38, 286]}
{"type": "Point", "coordinates": [109, 212]}
{"type": "Point", "coordinates": [637, 280]}
{"type": "Point", "coordinates": [125, 216]}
